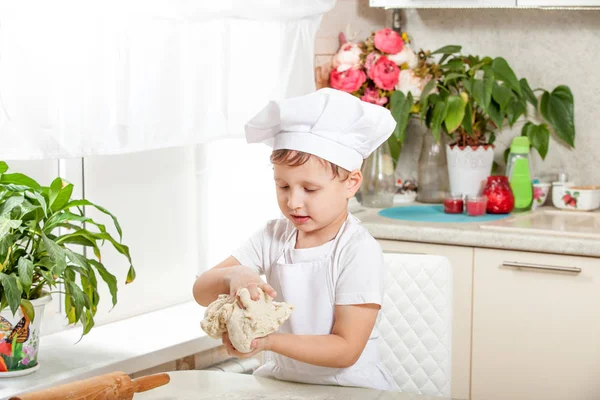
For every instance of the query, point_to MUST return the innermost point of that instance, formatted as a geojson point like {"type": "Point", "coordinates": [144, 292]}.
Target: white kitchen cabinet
{"type": "Point", "coordinates": [443, 3]}
{"type": "Point", "coordinates": [536, 332]}
{"type": "Point", "coordinates": [558, 3]}
{"type": "Point", "coordinates": [461, 259]}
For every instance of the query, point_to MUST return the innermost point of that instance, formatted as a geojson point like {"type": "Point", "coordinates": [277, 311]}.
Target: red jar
{"type": "Point", "coordinates": [453, 205]}
{"type": "Point", "coordinates": [475, 205]}
{"type": "Point", "coordinates": [500, 198]}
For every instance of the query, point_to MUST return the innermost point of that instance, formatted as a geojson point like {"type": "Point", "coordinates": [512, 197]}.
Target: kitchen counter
{"type": "Point", "coordinates": [545, 230]}
{"type": "Point", "coordinates": [197, 385]}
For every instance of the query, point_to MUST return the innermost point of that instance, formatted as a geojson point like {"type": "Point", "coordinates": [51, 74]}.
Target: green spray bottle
{"type": "Point", "coordinates": [518, 172]}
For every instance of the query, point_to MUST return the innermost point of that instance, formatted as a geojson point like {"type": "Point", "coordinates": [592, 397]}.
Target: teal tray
{"type": "Point", "coordinates": [434, 213]}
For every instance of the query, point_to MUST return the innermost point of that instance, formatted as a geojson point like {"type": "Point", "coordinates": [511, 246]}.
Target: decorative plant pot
{"type": "Point", "coordinates": [19, 341]}
{"type": "Point", "coordinates": [468, 168]}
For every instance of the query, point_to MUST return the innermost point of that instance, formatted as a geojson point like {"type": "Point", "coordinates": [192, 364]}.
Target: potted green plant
{"type": "Point", "coordinates": [470, 99]}
{"type": "Point", "coordinates": [37, 226]}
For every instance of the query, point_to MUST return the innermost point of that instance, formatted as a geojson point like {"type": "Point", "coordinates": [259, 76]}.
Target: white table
{"type": "Point", "coordinates": [198, 385]}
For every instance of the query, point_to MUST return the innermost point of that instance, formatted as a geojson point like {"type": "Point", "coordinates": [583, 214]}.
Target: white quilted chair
{"type": "Point", "coordinates": [416, 323]}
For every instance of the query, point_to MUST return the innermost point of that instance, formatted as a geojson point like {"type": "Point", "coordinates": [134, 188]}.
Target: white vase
{"type": "Point", "coordinates": [468, 168]}
{"type": "Point", "coordinates": [19, 356]}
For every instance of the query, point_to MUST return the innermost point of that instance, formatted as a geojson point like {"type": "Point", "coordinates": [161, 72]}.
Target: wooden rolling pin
{"type": "Point", "coordinates": [113, 386]}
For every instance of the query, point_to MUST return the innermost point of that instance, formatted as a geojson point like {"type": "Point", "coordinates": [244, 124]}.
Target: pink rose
{"type": "Point", "coordinates": [371, 58]}
{"type": "Point", "coordinates": [388, 41]}
{"type": "Point", "coordinates": [372, 96]}
{"type": "Point", "coordinates": [384, 73]}
{"type": "Point", "coordinates": [537, 193]}
{"type": "Point", "coordinates": [347, 57]}
{"type": "Point", "coordinates": [348, 81]}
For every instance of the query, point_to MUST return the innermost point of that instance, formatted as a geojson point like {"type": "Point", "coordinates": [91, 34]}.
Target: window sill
{"type": "Point", "coordinates": [129, 345]}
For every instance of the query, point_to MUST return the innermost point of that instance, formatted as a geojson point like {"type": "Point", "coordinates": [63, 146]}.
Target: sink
{"type": "Point", "coordinates": [551, 222]}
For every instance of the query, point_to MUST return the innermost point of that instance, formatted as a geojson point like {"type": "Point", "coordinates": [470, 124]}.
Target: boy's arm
{"type": "Point", "coordinates": [226, 278]}
{"type": "Point", "coordinates": [340, 349]}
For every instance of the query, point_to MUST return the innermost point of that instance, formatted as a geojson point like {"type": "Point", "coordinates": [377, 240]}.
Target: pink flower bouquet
{"type": "Point", "coordinates": [373, 69]}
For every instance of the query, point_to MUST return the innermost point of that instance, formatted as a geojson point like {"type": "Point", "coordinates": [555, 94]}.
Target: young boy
{"type": "Point", "coordinates": [318, 258]}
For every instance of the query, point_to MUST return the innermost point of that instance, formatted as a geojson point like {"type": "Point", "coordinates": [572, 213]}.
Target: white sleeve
{"type": "Point", "coordinates": [361, 272]}
{"type": "Point", "coordinates": [251, 253]}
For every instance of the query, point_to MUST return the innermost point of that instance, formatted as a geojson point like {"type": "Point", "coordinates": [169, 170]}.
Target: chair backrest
{"type": "Point", "coordinates": [416, 323]}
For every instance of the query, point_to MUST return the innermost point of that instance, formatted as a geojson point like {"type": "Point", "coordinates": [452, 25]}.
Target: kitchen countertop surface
{"type": "Point", "coordinates": [197, 385]}
{"type": "Point", "coordinates": [545, 230]}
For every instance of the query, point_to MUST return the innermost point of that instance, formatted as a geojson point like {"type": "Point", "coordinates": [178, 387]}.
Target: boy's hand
{"type": "Point", "coordinates": [244, 277]}
{"type": "Point", "coordinates": [258, 345]}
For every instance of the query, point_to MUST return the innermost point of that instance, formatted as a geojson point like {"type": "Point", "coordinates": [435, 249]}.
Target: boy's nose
{"type": "Point", "coordinates": [294, 201]}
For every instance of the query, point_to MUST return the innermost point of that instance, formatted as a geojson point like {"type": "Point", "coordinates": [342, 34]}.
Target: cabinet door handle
{"type": "Point", "coordinates": [517, 264]}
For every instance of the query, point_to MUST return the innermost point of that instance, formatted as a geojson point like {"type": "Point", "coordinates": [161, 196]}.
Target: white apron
{"type": "Point", "coordinates": [310, 287]}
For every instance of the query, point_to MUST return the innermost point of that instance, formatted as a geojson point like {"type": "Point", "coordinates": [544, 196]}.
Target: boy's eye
{"type": "Point", "coordinates": [310, 190]}
{"type": "Point", "coordinates": [282, 187]}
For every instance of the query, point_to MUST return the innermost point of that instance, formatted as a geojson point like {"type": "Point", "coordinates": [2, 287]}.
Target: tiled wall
{"type": "Point", "coordinates": [548, 47]}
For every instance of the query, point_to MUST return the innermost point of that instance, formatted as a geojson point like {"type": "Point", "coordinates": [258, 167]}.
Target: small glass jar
{"type": "Point", "coordinates": [453, 204]}
{"type": "Point", "coordinates": [476, 205]}
{"type": "Point", "coordinates": [500, 198]}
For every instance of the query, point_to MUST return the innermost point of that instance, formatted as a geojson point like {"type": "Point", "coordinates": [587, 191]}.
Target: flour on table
{"type": "Point", "coordinates": [257, 319]}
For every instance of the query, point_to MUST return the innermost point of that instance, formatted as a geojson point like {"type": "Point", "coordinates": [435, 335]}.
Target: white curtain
{"type": "Point", "coordinates": [81, 78]}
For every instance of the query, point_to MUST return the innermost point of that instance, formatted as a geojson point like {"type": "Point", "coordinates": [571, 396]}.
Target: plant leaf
{"type": "Point", "coordinates": [527, 92]}
{"type": "Point", "coordinates": [514, 111]}
{"type": "Point", "coordinates": [502, 96]}
{"type": "Point", "coordinates": [11, 291]}
{"type": "Point", "coordinates": [439, 114]}
{"type": "Point", "coordinates": [28, 309]}
{"type": "Point", "coordinates": [455, 112]}
{"type": "Point", "coordinates": [62, 198]}
{"type": "Point", "coordinates": [3, 167]}
{"type": "Point", "coordinates": [482, 89]}
{"type": "Point", "coordinates": [130, 275]}
{"type": "Point", "coordinates": [19, 179]}
{"type": "Point", "coordinates": [451, 49]}
{"type": "Point", "coordinates": [395, 147]}
{"type": "Point", "coordinates": [55, 187]}
{"type": "Point", "coordinates": [56, 254]}
{"type": "Point", "coordinates": [495, 114]}
{"type": "Point", "coordinates": [539, 137]}
{"type": "Point", "coordinates": [107, 277]}
{"type": "Point", "coordinates": [25, 268]}
{"type": "Point", "coordinates": [40, 199]}
{"type": "Point", "coordinates": [7, 224]}
{"type": "Point", "coordinates": [400, 106]}
{"type": "Point", "coordinates": [453, 75]}
{"type": "Point", "coordinates": [77, 297]}
{"type": "Point", "coordinates": [10, 203]}
{"type": "Point", "coordinates": [504, 72]}
{"type": "Point", "coordinates": [78, 203]}
{"type": "Point", "coordinates": [558, 109]}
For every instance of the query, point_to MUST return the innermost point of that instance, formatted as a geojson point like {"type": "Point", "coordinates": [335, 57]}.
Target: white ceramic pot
{"type": "Point", "coordinates": [579, 198]}
{"type": "Point", "coordinates": [468, 168]}
{"type": "Point", "coordinates": [20, 340]}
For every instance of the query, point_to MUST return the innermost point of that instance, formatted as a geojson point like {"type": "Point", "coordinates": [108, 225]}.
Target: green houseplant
{"type": "Point", "coordinates": [38, 227]}
{"type": "Point", "coordinates": [471, 98]}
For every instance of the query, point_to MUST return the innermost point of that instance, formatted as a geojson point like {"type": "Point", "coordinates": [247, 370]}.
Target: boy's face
{"type": "Point", "coordinates": [310, 196]}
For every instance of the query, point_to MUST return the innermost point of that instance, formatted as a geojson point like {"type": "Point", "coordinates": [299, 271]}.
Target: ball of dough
{"type": "Point", "coordinates": [257, 318]}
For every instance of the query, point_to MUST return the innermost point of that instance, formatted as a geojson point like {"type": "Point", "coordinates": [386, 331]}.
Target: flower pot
{"type": "Point", "coordinates": [468, 168]}
{"type": "Point", "coordinates": [20, 340]}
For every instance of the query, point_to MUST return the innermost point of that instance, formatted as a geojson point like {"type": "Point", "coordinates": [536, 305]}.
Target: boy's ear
{"type": "Point", "coordinates": [354, 181]}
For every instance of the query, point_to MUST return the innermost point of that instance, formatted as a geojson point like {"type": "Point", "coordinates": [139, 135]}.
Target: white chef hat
{"type": "Point", "coordinates": [333, 125]}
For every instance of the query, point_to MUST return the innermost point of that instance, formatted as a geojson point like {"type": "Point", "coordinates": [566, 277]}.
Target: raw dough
{"type": "Point", "coordinates": [257, 319]}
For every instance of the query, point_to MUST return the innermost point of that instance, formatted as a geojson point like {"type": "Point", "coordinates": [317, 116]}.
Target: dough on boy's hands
{"type": "Point", "coordinates": [257, 319]}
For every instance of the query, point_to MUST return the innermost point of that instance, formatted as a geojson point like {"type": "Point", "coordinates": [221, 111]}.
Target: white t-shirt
{"type": "Point", "coordinates": [360, 262]}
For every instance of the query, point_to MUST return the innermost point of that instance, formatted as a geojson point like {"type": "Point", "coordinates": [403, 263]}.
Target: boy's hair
{"type": "Point", "coordinates": [294, 158]}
